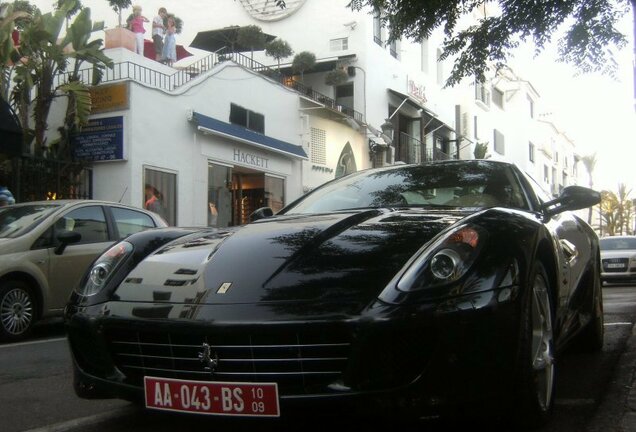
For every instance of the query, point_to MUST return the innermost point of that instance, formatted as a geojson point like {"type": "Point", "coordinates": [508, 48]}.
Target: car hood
{"type": "Point", "coordinates": [346, 257]}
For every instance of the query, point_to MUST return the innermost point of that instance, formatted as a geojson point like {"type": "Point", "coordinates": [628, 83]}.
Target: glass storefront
{"type": "Point", "coordinates": [160, 194]}
{"type": "Point", "coordinates": [234, 193]}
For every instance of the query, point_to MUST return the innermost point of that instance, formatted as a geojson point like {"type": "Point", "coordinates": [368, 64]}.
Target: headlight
{"type": "Point", "coordinates": [104, 268]}
{"type": "Point", "coordinates": [446, 260]}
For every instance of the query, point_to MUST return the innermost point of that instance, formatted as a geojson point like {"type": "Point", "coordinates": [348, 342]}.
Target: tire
{"type": "Point", "coordinates": [535, 372]}
{"type": "Point", "coordinates": [591, 337]}
{"type": "Point", "coordinates": [18, 309]}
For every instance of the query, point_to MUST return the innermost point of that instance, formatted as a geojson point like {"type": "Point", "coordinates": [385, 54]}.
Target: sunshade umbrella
{"type": "Point", "coordinates": [149, 50]}
{"type": "Point", "coordinates": [214, 40]}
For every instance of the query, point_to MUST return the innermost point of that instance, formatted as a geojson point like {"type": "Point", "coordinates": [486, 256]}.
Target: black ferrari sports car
{"type": "Point", "coordinates": [410, 289]}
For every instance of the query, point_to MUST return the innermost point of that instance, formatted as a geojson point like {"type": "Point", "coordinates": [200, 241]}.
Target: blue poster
{"type": "Point", "coordinates": [100, 140]}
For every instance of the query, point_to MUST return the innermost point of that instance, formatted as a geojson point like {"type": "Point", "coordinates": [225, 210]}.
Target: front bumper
{"type": "Point", "coordinates": [419, 357]}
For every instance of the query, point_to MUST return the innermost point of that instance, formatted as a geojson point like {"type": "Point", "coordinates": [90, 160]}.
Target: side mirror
{"type": "Point", "coordinates": [572, 198]}
{"type": "Point", "coordinates": [66, 237]}
{"type": "Point", "coordinates": [261, 213]}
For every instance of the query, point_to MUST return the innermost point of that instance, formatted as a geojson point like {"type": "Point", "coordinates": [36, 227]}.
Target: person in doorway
{"type": "Point", "coordinates": [6, 197]}
{"type": "Point", "coordinates": [170, 43]}
{"type": "Point", "coordinates": [158, 32]}
{"type": "Point", "coordinates": [136, 25]}
{"type": "Point", "coordinates": [153, 200]}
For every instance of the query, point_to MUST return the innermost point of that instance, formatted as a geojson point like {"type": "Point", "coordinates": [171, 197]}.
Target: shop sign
{"type": "Point", "coordinates": [100, 140]}
{"type": "Point", "coordinates": [250, 159]}
{"type": "Point", "coordinates": [112, 97]}
{"type": "Point", "coordinates": [417, 91]}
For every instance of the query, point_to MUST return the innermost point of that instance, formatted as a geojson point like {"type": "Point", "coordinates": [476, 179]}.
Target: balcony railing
{"type": "Point", "coordinates": [411, 150]}
{"type": "Point", "coordinates": [169, 82]}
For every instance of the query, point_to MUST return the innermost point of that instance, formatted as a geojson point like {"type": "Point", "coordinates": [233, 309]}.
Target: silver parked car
{"type": "Point", "coordinates": [45, 248]}
{"type": "Point", "coordinates": [618, 255]}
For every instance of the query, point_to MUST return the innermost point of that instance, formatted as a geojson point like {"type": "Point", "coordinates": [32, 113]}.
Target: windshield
{"type": "Point", "coordinates": [477, 184]}
{"type": "Point", "coordinates": [19, 220]}
{"type": "Point", "coordinates": [618, 243]}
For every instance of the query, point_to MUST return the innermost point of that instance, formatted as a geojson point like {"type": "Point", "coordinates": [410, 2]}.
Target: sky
{"type": "Point", "coordinates": [596, 111]}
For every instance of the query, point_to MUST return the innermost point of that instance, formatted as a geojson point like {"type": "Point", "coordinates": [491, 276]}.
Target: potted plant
{"type": "Point", "coordinates": [278, 49]}
{"type": "Point", "coordinates": [118, 6]}
{"type": "Point", "coordinates": [336, 77]}
{"type": "Point", "coordinates": [303, 61]}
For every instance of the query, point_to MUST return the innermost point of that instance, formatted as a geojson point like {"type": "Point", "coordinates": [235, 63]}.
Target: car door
{"type": "Point", "coordinates": [66, 269]}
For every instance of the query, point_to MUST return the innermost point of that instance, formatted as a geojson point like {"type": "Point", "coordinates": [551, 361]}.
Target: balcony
{"type": "Point", "coordinates": [158, 78]}
{"type": "Point", "coordinates": [410, 150]}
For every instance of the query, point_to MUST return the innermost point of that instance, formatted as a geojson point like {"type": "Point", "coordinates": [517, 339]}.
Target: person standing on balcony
{"type": "Point", "coordinates": [158, 32]}
{"type": "Point", "coordinates": [136, 25]}
{"type": "Point", "coordinates": [170, 43]}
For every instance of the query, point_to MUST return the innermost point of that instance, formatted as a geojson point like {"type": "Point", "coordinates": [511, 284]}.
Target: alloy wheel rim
{"type": "Point", "coordinates": [542, 342]}
{"type": "Point", "coordinates": [16, 311]}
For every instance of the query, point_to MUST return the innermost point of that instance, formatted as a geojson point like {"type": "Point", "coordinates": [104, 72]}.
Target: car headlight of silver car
{"type": "Point", "coordinates": [446, 260]}
{"type": "Point", "coordinates": [104, 268]}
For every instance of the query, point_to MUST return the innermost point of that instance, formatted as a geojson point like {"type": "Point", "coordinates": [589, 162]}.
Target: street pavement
{"type": "Point", "coordinates": [595, 392]}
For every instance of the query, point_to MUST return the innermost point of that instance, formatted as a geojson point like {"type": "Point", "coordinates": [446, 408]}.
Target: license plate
{"type": "Point", "coordinates": [212, 398]}
{"type": "Point", "coordinates": [615, 265]}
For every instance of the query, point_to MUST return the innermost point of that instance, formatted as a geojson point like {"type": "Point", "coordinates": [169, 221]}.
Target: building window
{"type": "Point", "coordinates": [424, 65]}
{"type": "Point", "coordinates": [531, 151]}
{"type": "Point", "coordinates": [482, 94]}
{"type": "Point", "coordinates": [246, 118]}
{"type": "Point", "coordinates": [498, 97]}
{"type": "Point", "coordinates": [440, 68]}
{"type": "Point", "coordinates": [530, 106]}
{"type": "Point", "coordinates": [377, 28]}
{"type": "Point", "coordinates": [556, 157]}
{"type": "Point", "coordinates": [160, 194]}
{"type": "Point", "coordinates": [318, 146]}
{"type": "Point", "coordinates": [393, 49]}
{"type": "Point", "coordinates": [546, 174]}
{"type": "Point", "coordinates": [340, 44]}
{"type": "Point", "coordinates": [500, 145]}
{"type": "Point", "coordinates": [476, 131]}
{"type": "Point", "coordinates": [344, 95]}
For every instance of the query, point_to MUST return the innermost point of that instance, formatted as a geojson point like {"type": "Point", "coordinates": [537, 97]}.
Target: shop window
{"type": "Point", "coordinates": [340, 44]}
{"type": "Point", "coordinates": [274, 193]}
{"type": "Point", "coordinates": [318, 146]}
{"type": "Point", "coordinates": [160, 194]}
{"type": "Point", "coordinates": [219, 205]}
{"type": "Point", "coordinates": [500, 145]}
{"type": "Point", "coordinates": [246, 118]}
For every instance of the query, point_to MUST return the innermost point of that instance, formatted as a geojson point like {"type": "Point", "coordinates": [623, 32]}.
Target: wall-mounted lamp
{"type": "Point", "coordinates": [387, 131]}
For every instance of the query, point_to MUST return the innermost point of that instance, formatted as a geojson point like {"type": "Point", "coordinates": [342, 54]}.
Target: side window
{"type": "Point", "coordinates": [130, 221]}
{"type": "Point", "coordinates": [90, 222]}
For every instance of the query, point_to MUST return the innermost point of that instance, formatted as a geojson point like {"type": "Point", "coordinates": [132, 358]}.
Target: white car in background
{"type": "Point", "coordinates": [46, 247]}
{"type": "Point", "coordinates": [618, 257]}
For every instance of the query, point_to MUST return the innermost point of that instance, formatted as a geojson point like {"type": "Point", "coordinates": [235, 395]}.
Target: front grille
{"type": "Point", "coordinates": [301, 363]}
{"type": "Point", "coordinates": [615, 265]}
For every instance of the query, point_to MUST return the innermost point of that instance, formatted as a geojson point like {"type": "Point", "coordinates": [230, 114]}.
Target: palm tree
{"type": "Point", "coordinates": [42, 74]}
{"type": "Point", "coordinates": [589, 162]}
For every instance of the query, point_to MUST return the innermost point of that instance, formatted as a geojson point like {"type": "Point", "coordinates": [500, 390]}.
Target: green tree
{"type": "Point", "coordinates": [589, 30]}
{"type": "Point", "coordinates": [624, 208]}
{"type": "Point", "coordinates": [303, 61]}
{"type": "Point", "coordinates": [278, 49]}
{"type": "Point", "coordinates": [251, 36]}
{"type": "Point", "coordinates": [609, 212]}
{"type": "Point", "coordinates": [9, 18]}
{"type": "Point", "coordinates": [43, 74]}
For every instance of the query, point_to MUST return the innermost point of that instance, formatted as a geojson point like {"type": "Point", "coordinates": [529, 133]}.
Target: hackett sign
{"type": "Point", "coordinates": [250, 159]}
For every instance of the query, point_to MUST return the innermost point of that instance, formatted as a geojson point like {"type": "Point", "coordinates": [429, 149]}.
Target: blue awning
{"type": "Point", "coordinates": [244, 135]}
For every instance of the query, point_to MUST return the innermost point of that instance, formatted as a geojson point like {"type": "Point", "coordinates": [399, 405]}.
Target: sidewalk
{"type": "Point", "coordinates": [617, 411]}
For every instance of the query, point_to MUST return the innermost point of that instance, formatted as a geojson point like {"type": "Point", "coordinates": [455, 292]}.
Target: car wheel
{"type": "Point", "coordinates": [17, 310]}
{"type": "Point", "coordinates": [535, 368]}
